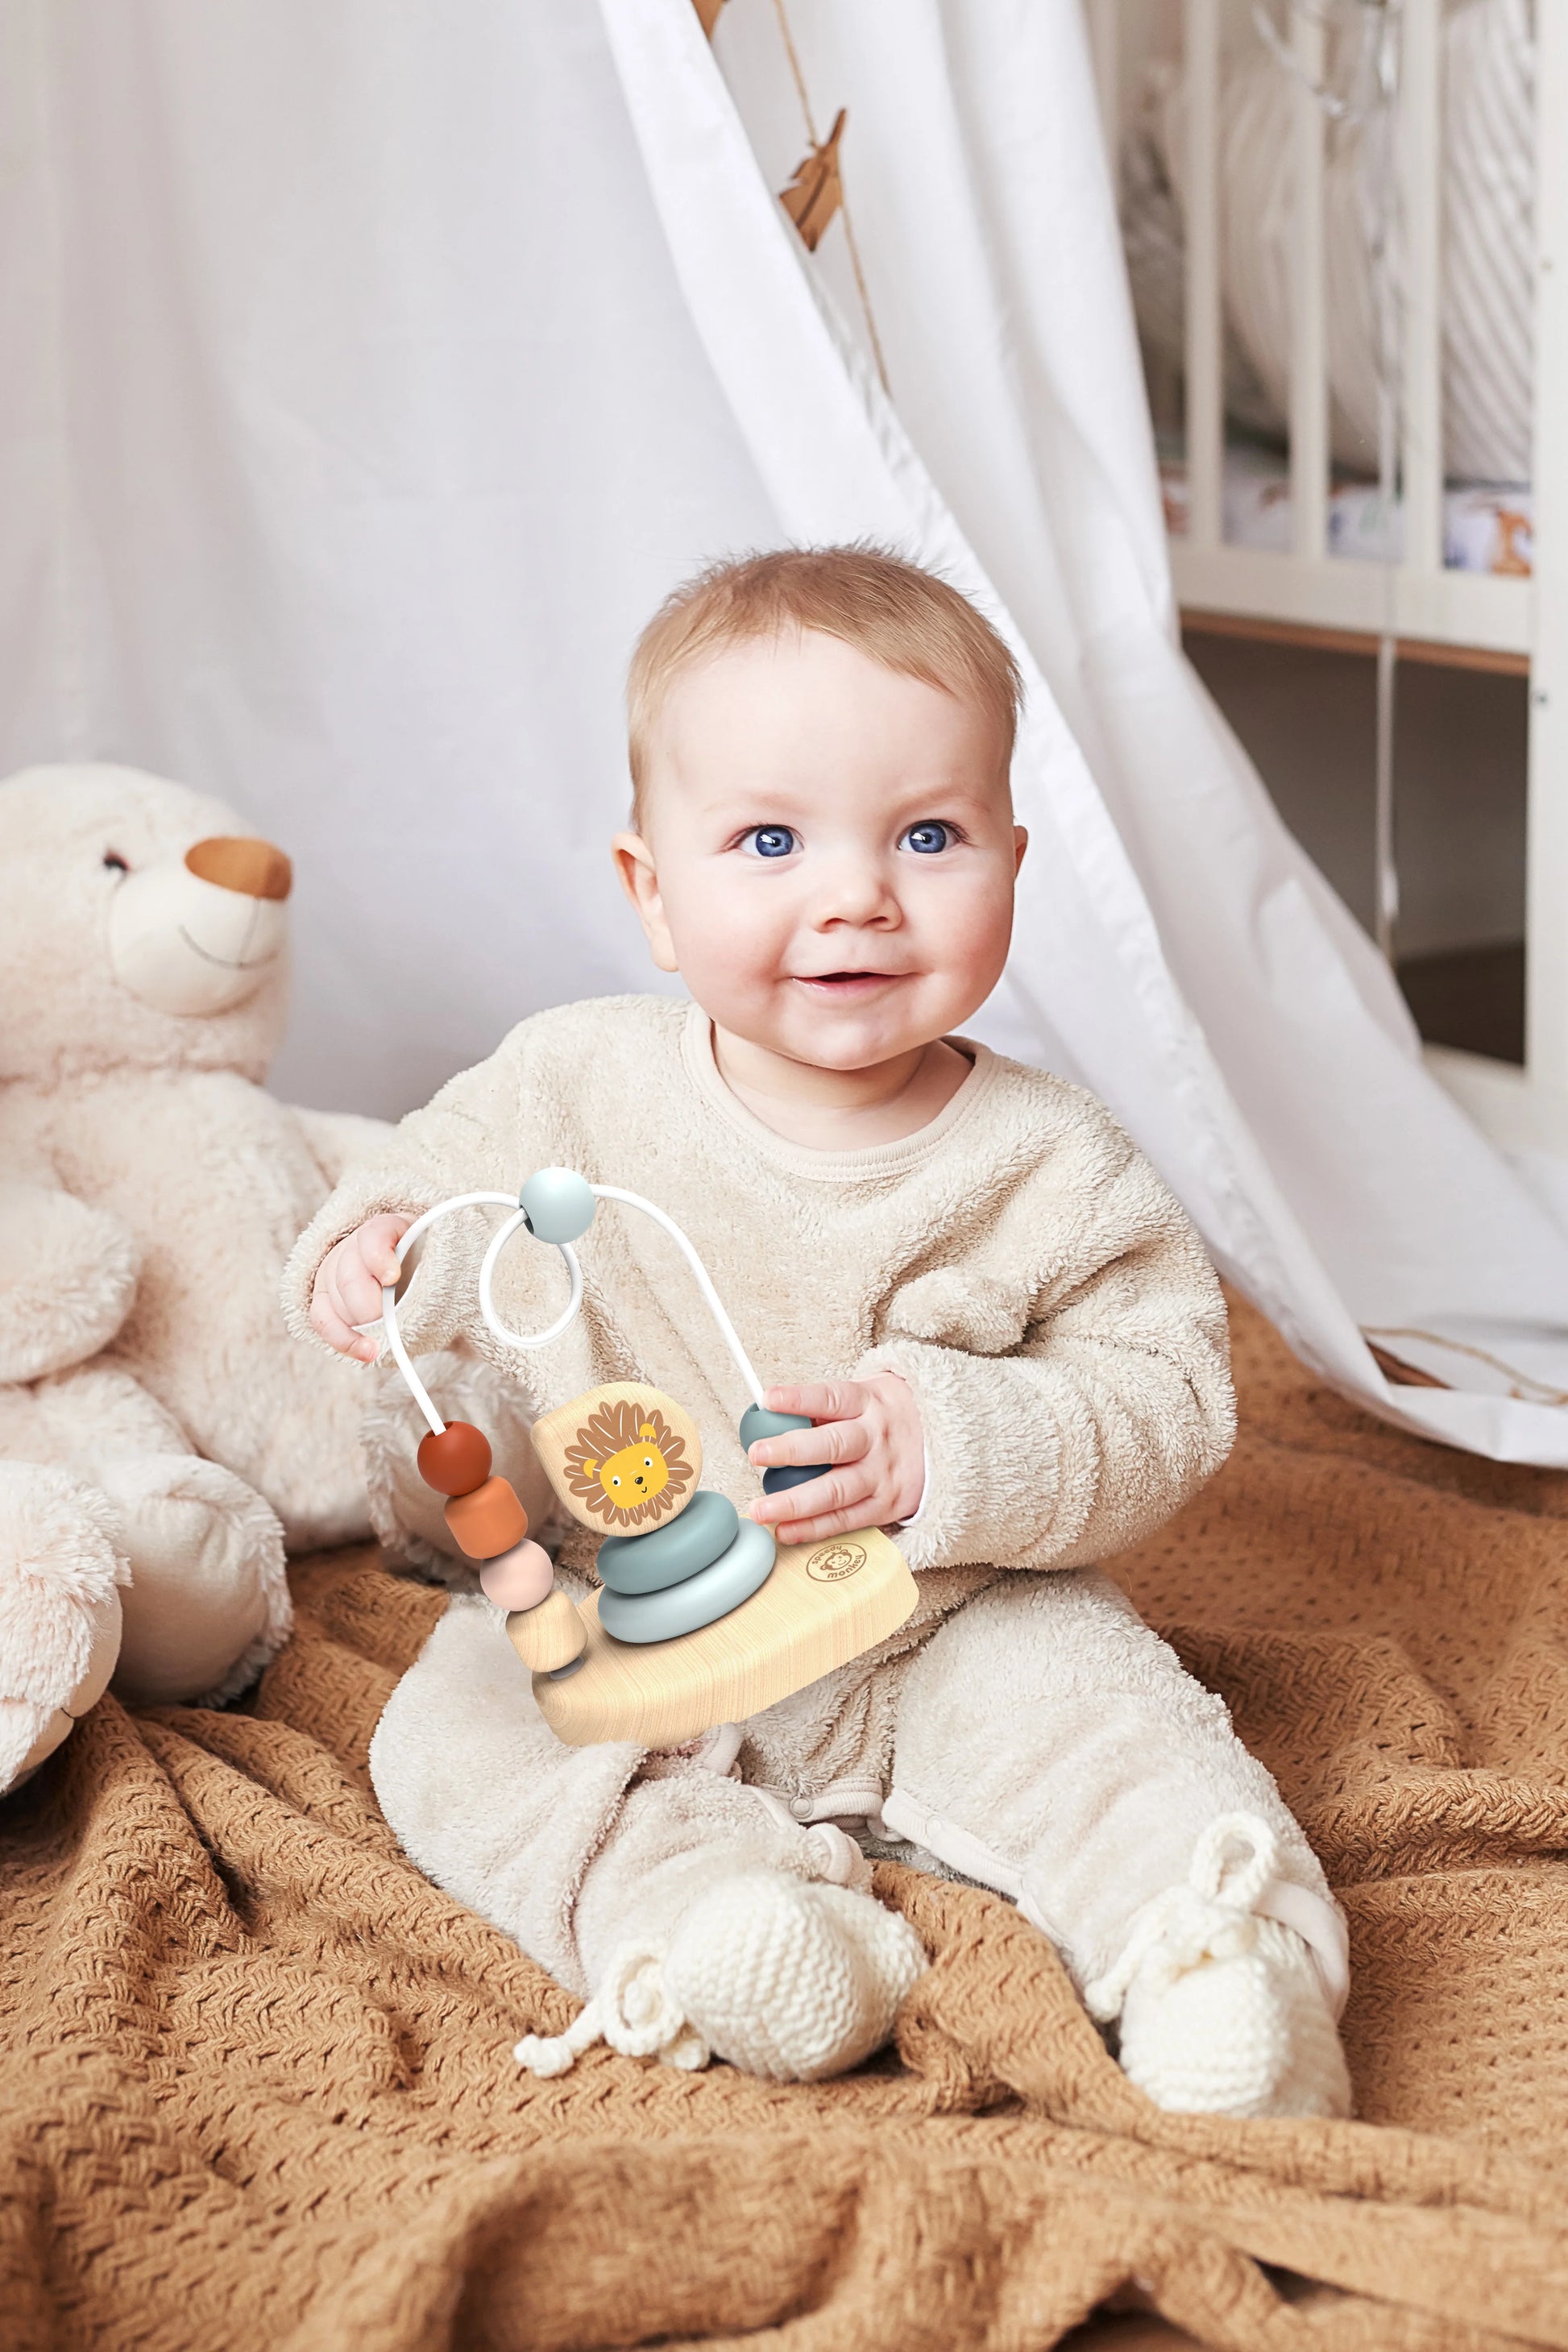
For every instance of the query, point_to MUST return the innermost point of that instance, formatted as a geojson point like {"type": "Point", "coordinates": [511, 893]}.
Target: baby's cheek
{"type": "Point", "coordinates": [965, 935]}
{"type": "Point", "coordinates": [732, 945]}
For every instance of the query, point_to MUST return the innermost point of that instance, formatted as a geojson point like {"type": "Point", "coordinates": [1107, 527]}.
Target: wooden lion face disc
{"type": "Point", "coordinates": [624, 1458]}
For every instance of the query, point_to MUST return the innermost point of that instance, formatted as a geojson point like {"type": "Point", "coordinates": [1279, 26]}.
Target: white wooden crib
{"type": "Point", "coordinates": [1302, 593]}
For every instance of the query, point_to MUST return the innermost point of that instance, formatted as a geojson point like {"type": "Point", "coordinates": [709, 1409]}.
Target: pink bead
{"type": "Point", "coordinates": [520, 1579]}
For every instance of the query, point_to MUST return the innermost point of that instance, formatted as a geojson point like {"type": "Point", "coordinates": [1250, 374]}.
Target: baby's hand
{"type": "Point", "coordinates": [348, 1283]}
{"type": "Point", "coordinates": [871, 1431]}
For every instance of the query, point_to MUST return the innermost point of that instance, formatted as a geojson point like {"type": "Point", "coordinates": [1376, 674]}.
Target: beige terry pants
{"type": "Point", "coordinates": [1047, 1743]}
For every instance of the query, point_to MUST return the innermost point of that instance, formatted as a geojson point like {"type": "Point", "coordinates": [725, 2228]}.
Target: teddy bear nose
{"type": "Point", "coordinates": [252, 868]}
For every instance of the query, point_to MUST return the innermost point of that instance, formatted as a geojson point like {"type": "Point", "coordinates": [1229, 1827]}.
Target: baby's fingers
{"type": "Point", "coordinates": [821, 1400]}
{"type": "Point", "coordinates": [327, 1318]}
{"type": "Point", "coordinates": [834, 1440]}
{"type": "Point", "coordinates": [359, 1266]}
{"type": "Point", "coordinates": [845, 1490]}
{"type": "Point", "coordinates": [861, 1514]}
{"type": "Point", "coordinates": [375, 1245]}
{"type": "Point", "coordinates": [358, 1291]}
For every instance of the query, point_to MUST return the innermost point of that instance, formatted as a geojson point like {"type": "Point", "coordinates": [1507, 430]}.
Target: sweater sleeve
{"type": "Point", "coordinates": [471, 1138]}
{"type": "Point", "coordinates": [1068, 1413]}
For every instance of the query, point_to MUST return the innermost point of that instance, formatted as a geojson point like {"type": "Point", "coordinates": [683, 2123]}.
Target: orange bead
{"type": "Point", "coordinates": [489, 1521]}
{"type": "Point", "coordinates": [457, 1460]}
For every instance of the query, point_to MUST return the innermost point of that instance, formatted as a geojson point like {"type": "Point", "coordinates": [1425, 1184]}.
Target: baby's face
{"type": "Point", "coordinates": [828, 851]}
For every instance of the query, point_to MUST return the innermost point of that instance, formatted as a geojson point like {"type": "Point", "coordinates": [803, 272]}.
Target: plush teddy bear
{"type": "Point", "coordinates": [158, 1423]}
{"type": "Point", "coordinates": [121, 1552]}
{"type": "Point", "coordinates": [143, 988]}
{"type": "Point", "coordinates": [156, 1420]}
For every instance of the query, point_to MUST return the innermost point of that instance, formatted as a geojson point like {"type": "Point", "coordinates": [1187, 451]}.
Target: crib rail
{"type": "Point", "coordinates": [1432, 608]}
{"type": "Point", "coordinates": [1307, 585]}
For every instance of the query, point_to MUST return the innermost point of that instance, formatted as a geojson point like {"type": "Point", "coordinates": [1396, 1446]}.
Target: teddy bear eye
{"type": "Point", "coordinates": [114, 862]}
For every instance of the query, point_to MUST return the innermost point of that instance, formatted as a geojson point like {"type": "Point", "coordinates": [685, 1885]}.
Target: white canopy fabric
{"type": "Point", "coordinates": [384, 365]}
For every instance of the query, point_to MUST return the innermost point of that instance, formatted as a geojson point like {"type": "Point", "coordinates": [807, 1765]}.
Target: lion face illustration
{"type": "Point", "coordinates": [627, 1466]}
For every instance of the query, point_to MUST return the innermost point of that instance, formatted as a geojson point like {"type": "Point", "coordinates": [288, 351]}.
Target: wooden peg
{"type": "Point", "coordinates": [549, 1636]}
{"type": "Point", "coordinates": [622, 1457]}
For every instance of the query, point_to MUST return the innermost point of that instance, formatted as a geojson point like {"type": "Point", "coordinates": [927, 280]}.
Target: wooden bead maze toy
{"type": "Point", "coordinates": [702, 1618]}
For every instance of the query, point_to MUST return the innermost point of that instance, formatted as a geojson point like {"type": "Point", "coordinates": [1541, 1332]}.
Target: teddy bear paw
{"type": "Point", "coordinates": [59, 1610]}
{"type": "Point", "coordinates": [209, 1604]}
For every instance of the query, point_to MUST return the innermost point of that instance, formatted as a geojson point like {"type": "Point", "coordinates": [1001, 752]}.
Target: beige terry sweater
{"type": "Point", "coordinates": [1017, 1260]}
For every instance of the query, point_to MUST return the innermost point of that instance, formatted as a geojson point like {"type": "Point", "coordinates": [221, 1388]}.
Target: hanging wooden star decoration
{"type": "Point", "coordinates": [815, 193]}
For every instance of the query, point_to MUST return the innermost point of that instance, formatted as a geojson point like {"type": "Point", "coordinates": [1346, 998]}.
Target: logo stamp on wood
{"type": "Point", "coordinates": [830, 1563]}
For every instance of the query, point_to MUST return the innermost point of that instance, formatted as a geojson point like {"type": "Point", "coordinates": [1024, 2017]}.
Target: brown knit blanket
{"type": "Point", "coordinates": [258, 2089]}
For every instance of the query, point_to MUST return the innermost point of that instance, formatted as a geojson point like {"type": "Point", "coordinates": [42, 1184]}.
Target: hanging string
{"type": "Point", "coordinates": [1379, 161]}
{"type": "Point", "coordinates": [850, 241]}
{"type": "Point", "coordinates": [1369, 101]}
{"type": "Point", "coordinates": [1523, 1387]}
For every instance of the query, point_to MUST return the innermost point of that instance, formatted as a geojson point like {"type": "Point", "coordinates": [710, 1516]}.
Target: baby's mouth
{"type": "Point", "coordinates": [847, 987]}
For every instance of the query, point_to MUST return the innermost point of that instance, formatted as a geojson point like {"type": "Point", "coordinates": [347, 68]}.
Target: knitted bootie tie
{"type": "Point", "coordinates": [785, 1978]}
{"type": "Point", "coordinates": [1222, 2012]}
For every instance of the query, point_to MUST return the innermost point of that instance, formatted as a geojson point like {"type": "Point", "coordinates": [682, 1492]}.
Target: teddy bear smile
{"type": "Point", "coordinates": [229, 963]}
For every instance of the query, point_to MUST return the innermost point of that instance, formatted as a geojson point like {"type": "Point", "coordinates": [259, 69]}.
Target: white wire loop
{"type": "Point", "coordinates": [727, 1330]}
{"type": "Point", "coordinates": [514, 1224]}
{"type": "Point", "coordinates": [504, 1331]}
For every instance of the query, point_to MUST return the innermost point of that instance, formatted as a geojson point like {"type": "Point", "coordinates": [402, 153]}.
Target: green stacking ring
{"type": "Point", "coordinates": [712, 1593]}
{"type": "Point", "coordinates": [669, 1554]}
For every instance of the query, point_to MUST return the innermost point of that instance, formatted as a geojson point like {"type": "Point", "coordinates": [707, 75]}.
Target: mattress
{"type": "Point", "coordinates": [1487, 526]}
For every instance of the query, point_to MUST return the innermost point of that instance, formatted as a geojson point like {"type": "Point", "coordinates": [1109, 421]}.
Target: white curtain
{"type": "Point", "coordinates": [376, 368]}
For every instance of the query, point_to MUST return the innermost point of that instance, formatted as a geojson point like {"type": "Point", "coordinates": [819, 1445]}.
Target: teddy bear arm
{"type": "Point", "coordinates": [67, 1275]}
{"type": "Point", "coordinates": [338, 1140]}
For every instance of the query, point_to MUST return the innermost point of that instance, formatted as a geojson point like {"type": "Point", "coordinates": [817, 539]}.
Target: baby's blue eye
{"type": "Point", "coordinates": [771, 840]}
{"type": "Point", "coordinates": [926, 840]}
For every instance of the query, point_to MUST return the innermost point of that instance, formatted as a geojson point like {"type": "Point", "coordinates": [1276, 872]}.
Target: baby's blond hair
{"type": "Point", "coordinates": [905, 618]}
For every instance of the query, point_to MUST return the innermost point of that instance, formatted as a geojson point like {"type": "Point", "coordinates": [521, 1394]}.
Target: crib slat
{"type": "Point", "coordinates": [1420, 206]}
{"type": "Point", "coordinates": [1546, 969]}
{"type": "Point", "coordinates": [1205, 386]}
{"type": "Point", "coordinates": [1309, 367]}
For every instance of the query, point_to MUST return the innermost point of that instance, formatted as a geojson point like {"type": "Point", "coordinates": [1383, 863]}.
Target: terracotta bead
{"type": "Point", "coordinates": [456, 1461]}
{"type": "Point", "coordinates": [488, 1521]}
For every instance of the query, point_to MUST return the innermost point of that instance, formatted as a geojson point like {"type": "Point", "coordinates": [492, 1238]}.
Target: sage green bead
{"type": "Point", "coordinates": [667, 1555]}
{"type": "Point", "coordinates": [558, 1204]}
{"type": "Point", "coordinates": [758, 1422]}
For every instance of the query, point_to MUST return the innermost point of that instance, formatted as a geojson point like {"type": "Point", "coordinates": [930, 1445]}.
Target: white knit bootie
{"type": "Point", "coordinates": [785, 1978]}
{"type": "Point", "coordinates": [1222, 2012]}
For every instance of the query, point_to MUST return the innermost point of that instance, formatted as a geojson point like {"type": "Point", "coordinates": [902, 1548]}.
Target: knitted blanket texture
{"type": "Point", "coordinates": [258, 2086]}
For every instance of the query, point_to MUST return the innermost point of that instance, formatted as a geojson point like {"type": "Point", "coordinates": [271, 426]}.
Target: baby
{"type": "Point", "coordinates": [1004, 1329]}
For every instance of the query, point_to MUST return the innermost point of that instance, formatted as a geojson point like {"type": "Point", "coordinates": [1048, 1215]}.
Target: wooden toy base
{"type": "Point", "coordinates": [822, 1604]}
